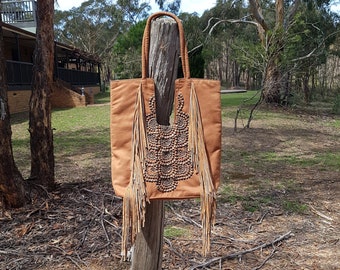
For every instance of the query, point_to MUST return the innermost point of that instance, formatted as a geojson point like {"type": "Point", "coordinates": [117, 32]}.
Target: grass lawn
{"type": "Point", "coordinates": [76, 131]}
{"type": "Point", "coordinates": [236, 99]}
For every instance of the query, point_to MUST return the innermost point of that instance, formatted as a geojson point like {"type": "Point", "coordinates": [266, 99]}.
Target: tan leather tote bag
{"type": "Point", "coordinates": [151, 161]}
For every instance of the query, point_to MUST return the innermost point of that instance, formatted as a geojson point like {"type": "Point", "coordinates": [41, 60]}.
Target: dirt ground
{"type": "Point", "coordinates": [277, 209]}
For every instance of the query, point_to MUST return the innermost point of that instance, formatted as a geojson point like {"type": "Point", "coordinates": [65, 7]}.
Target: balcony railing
{"type": "Point", "coordinates": [19, 74]}
{"type": "Point", "coordinates": [77, 77]}
{"type": "Point", "coordinates": [19, 11]}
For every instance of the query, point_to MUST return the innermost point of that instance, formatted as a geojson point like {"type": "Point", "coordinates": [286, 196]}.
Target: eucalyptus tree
{"type": "Point", "coordinates": [40, 126]}
{"type": "Point", "coordinates": [194, 36]}
{"type": "Point", "coordinates": [12, 186]}
{"type": "Point", "coordinates": [170, 6]}
{"type": "Point", "coordinates": [275, 32]}
{"type": "Point", "coordinates": [95, 26]}
{"type": "Point", "coordinates": [270, 54]}
{"type": "Point", "coordinates": [308, 46]}
{"type": "Point", "coordinates": [12, 191]}
{"type": "Point", "coordinates": [225, 33]}
{"type": "Point", "coordinates": [127, 52]}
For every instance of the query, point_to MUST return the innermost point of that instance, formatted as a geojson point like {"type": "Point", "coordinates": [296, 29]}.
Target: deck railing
{"type": "Point", "coordinates": [20, 74]}
{"type": "Point", "coordinates": [77, 77]}
{"type": "Point", "coordinates": [18, 11]}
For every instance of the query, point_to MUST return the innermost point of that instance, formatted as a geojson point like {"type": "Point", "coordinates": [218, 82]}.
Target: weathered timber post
{"type": "Point", "coordinates": [162, 66]}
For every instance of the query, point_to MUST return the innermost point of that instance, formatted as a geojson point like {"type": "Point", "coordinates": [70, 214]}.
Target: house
{"type": "Point", "coordinates": [76, 73]}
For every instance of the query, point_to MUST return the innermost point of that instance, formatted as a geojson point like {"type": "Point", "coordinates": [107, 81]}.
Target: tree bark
{"type": "Point", "coordinates": [272, 82]}
{"type": "Point", "coordinates": [12, 192]}
{"type": "Point", "coordinates": [40, 128]}
{"type": "Point", "coordinates": [163, 64]}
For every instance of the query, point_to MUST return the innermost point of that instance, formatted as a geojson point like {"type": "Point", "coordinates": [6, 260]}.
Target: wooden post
{"type": "Point", "coordinates": [163, 65]}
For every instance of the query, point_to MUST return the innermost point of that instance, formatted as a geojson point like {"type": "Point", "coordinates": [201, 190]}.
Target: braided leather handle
{"type": "Point", "coordinates": [146, 44]}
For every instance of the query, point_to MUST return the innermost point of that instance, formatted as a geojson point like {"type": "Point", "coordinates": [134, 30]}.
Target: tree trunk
{"type": "Point", "coordinates": [12, 192]}
{"type": "Point", "coordinates": [41, 135]}
{"type": "Point", "coordinates": [286, 97]}
{"type": "Point", "coordinates": [306, 89]}
{"type": "Point", "coordinates": [272, 83]}
{"type": "Point", "coordinates": [279, 12]}
{"type": "Point", "coordinates": [227, 65]}
{"type": "Point", "coordinates": [163, 64]}
{"type": "Point", "coordinates": [273, 77]}
{"type": "Point", "coordinates": [236, 75]}
{"type": "Point", "coordinates": [247, 86]}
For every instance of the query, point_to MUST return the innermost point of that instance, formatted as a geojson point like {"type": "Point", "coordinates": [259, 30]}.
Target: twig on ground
{"type": "Point", "coordinates": [110, 223]}
{"type": "Point", "coordinates": [266, 260]}
{"type": "Point", "coordinates": [320, 214]}
{"type": "Point", "coordinates": [104, 228]}
{"type": "Point", "coordinates": [241, 253]}
{"type": "Point", "coordinates": [172, 248]}
{"type": "Point", "coordinates": [99, 193]}
{"type": "Point", "coordinates": [84, 235]}
{"type": "Point", "coordinates": [259, 221]}
{"type": "Point", "coordinates": [184, 218]}
{"type": "Point", "coordinates": [101, 248]}
{"type": "Point", "coordinates": [32, 183]}
{"type": "Point", "coordinates": [118, 233]}
{"type": "Point", "coordinates": [74, 261]}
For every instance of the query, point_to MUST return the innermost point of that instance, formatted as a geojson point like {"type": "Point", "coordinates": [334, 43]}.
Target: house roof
{"type": "Point", "coordinates": [10, 32]}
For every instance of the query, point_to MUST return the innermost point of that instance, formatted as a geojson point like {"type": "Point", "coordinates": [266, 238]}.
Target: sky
{"type": "Point", "coordinates": [190, 6]}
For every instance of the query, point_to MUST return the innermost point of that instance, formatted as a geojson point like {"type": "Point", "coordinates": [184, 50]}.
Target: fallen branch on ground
{"type": "Point", "coordinates": [241, 253]}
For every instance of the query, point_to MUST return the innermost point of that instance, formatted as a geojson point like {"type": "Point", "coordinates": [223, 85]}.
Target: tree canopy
{"type": "Point", "coordinates": [280, 47]}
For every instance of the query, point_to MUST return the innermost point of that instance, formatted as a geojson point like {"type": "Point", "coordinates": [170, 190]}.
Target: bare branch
{"type": "Point", "coordinates": [242, 20]}
{"type": "Point", "coordinates": [305, 56]}
{"type": "Point", "coordinates": [209, 21]}
{"type": "Point", "coordinates": [231, 21]}
{"type": "Point", "coordinates": [320, 44]}
{"type": "Point", "coordinates": [251, 112]}
{"type": "Point", "coordinates": [196, 48]}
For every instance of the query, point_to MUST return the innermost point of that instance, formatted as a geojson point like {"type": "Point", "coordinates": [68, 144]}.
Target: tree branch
{"type": "Point", "coordinates": [292, 11]}
{"type": "Point", "coordinates": [255, 9]}
{"type": "Point", "coordinates": [229, 21]}
{"type": "Point", "coordinates": [320, 44]}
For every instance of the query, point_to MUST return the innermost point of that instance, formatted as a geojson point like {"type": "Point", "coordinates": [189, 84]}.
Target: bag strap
{"type": "Point", "coordinates": [146, 44]}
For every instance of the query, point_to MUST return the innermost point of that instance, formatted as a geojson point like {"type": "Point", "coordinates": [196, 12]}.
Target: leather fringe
{"type": "Point", "coordinates": [201, 165]}
{"type": "Point", "coordinates": [135, 198]}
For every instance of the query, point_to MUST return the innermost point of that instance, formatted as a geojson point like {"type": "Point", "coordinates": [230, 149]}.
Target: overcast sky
{"type": "Point", "coordinates": [190, 6]}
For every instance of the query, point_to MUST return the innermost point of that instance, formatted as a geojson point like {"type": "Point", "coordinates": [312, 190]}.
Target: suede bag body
{"type": "Point", "coordinates": [154, 162]}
